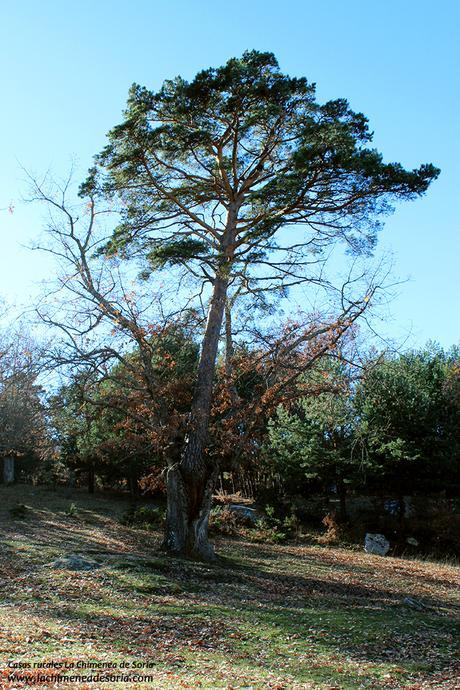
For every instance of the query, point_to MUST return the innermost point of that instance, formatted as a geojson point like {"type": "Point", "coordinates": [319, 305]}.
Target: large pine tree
{"type": "Point", "coordinates": [241, 177]}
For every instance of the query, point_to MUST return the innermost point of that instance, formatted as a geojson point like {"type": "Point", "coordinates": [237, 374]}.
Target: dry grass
{"type": "Point", "coordinates": [283, 617]}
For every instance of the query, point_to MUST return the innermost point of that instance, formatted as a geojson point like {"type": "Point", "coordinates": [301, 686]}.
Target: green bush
{"type": "Point", "coordinates": [143, 517]}
{"type": "Point", "coordinates": [72, 510]}
{"type": "Point", "coordinates": [273, 528]}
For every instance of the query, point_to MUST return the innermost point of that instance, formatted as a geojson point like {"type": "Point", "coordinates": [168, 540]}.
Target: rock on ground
{"type": "Point", "coordinates": [74, 561]}
{"type": "Point", "coordinates": [244, 512]}
{"type": "Point", "coordinates": [376, 544]}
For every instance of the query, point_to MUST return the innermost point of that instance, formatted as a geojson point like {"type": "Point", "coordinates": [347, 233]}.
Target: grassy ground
{"type": "Point", "coordinates": [263, 617]}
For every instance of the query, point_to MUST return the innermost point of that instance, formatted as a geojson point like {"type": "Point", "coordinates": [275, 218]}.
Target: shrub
{"type": "Point", "coordinates": [274, 529]}
{"type": "Point", "coordinates": [347, 531]}
{"type": "Point", "coordinates": [143, 517]}
{"type": "Point", "coordinates": [222, 520]}
{"type": "Point", "coordinates": [72, 510]}
{"type": "Point", "coordinates": [334, 530]}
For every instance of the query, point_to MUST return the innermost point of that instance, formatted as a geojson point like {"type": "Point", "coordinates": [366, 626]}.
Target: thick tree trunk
{"type": "Point", "coordinates": [187, 515]}
{"type": "Point", "coordinates": [190, 482]}
{"type": "Point", "coordinates": [192, 459]}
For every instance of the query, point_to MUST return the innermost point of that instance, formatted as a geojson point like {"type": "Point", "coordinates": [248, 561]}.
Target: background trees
{"type": "Point", "coordinates": [390, 428]}
{"type": "Point", "coordinates": [409, 418]}
{"type": "Point", "coordinates": [23, 428]}
{"type": "Point", "coordinates": [317, 437]}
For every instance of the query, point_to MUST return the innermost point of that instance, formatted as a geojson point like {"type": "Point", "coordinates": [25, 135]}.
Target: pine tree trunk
{"type": "Point", "coordinates": [187, 515]}
{"type": "Point", "coordinates": [190, 482]}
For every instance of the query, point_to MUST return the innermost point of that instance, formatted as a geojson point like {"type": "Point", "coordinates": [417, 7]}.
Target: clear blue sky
{"type": "Point", "coordinates": [67, 67]}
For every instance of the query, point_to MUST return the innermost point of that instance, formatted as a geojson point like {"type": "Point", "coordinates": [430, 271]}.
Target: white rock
{"type": "Point", "coordinates": [245, 512]}
{"type": "Point", "coordinates": [376, 544]}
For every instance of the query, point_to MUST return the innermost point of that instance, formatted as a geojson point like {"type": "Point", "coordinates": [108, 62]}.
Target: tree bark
{"type": "Point", "coordinates": [187, 514]}
{"type": "Point", "coordinates": [193, 458]}
{"type": "Point", "coordinates": [190, 482]}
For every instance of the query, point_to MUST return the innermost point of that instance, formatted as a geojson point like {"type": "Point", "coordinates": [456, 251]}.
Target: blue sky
{"type": "Point", "coordinates": [67, 67]}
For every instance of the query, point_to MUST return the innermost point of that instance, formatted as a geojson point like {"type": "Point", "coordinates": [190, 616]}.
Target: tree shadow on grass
{"type": "Point", "coordinates": [61, 534]}
{"type": "Point", "coordinates": [234, 607]}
